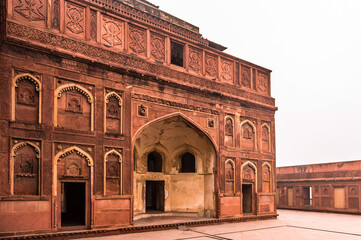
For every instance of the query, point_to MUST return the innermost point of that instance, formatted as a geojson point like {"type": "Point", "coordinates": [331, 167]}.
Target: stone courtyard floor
{"type": "Point", "coordinates": [290, 225]}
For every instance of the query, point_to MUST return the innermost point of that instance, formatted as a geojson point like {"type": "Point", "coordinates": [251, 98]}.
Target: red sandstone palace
{"type": "Point", "coordinates": [115, 109]}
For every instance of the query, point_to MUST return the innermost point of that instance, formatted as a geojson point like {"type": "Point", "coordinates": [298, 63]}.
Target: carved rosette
{"type": "Point", "coordinates": [157, 44]}
{"type": "Point", "coordinates": [31, 10]}
{"type": "Point", "coordinates": [246, 76]}
{"type": "Point", "coordinates": [226, 70]}
{"type": "Point", "coordinates": [211, 65]}
{"type": "Point", "coordinates": [74, 19]}
{"type": "Point", "coordinates": [262, 82]}
{"type": "Point", "coordinates": [137, 40]}
{"type": "Point", "coordinates": [195, 59]}
{"type": "Point", "coordinates": [111, 32]}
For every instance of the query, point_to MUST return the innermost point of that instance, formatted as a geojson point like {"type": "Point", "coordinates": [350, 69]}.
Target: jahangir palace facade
{"type": "Point", "coordinates": [115, 109]}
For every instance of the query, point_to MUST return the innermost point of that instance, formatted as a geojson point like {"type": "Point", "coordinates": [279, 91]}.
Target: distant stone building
{"type": "Point", "coordinates": [333, 187]}
{"type": "Point", "coordinates": [112, 109]}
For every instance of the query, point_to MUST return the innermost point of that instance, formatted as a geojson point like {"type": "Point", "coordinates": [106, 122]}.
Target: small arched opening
{"type": "Point", "coordinates": [154, 162]}
{"type": "Point", "coordinates": [188, 163]}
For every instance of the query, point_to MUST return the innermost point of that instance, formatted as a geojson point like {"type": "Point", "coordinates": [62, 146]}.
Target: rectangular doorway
{"type": "Point", "coordinates": [339, 197]}
{"type": "Point", "coordinates": [247, 198]}
{"type": "Point", "coordinates": [72, 204]}
{"type": "Point", "coordinates": [307, 196]}
{"type": "Point", "coordinates": [154, 196]}
{"type": "Point", "coordinates": [290, 196]}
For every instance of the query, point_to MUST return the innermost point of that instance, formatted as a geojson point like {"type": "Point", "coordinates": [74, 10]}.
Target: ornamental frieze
{"type": "Point", "coordinates": [24, 32]}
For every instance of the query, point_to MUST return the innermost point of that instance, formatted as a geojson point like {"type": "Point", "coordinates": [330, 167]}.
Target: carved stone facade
{"type": "Point", "coordinates": [331, 187]}
{"type": "Point", "coordinates": [99, 126]}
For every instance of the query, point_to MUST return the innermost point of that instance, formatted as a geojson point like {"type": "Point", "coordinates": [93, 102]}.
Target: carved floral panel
{"type": "Point", "coordinates": [211, 62]}
{"type": "Point", "coordinates": [262, 82]}
{"type": "Point", "coordinates": [195, 59]}
{"type": "Point", "coordinates": [246, 76]}
{"type": "Point", "coordinates": [157, 45]}
{"type": "Point", "coordinates": [112, 32]}
{"type": "Point", "coordinates": [74, 19]}
{"type": "Point", "coordinates": [226, 71]}
{"type": "Point", "coordinates": [31, 10]}
{"type": "Point", "coordinates": [137, 40]}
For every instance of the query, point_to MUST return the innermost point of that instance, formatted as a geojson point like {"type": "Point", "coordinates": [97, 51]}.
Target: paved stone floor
{"type": "Point", "coordinates": [290, 225]}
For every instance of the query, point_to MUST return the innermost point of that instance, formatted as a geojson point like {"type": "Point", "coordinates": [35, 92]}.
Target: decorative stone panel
{"type": "Point", "coordinates": [137, 39]}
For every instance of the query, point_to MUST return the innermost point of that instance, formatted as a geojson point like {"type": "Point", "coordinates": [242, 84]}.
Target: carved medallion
{"type": "Point", "coordinates": [112, 110]}
{"type": "Point", "coordinates": [74, 18]}
{"type": "Point", "coordinates": [137, 39]}
{"type": "Point", "coordinates": [195, 59]}
{"type": "Point", "coordinates": [157, 47]}
{"type": "Point", "coordinates": [26, 94]}
{"type": "Point", "coordinates": [74, 103]}
{"type": "Point", "coordinates": [142, 111]}
{"type": "Point", "coordinates": [26, 165]}
{"type": "Point", "coordinates": [73, 167]}
{"type": "Point", "coordinates": [211, 65]}
{"type": "Point", "coordinates": [112, 32]}
{"type": "Point", "coordinates": [227, 70]}
{"type": "Point", "coordinates": [32, 10]}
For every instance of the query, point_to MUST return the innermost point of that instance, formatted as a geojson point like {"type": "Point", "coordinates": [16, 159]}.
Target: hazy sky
{"type": "Point", "coordinates": [313, 48]}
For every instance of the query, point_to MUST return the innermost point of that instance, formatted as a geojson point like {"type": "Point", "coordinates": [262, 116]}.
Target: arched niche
{"type": "Point", "coordinates": [248, 136]}
{"type": "Point", "coordinates": [229, 176]}
{"type": "Point", "coordinates": [173, 136]}
{"type": "Point", "coordinates": [113, 173]}
{"type": "Point", "coordinates": [266, 138]}
{"type": "Point", "coordinates": [154, 162]}
{"type": "Point", "coordinates": [266, 177]}
{"type": "Point", "coordinates": [73, 107]}
{"type": "Point", "coordinates": [249, 187]}
{"type": "Point", "coordinates": [113, 113]}
{"type": "Point", "coordinates": [26, 99]}
{"type": "Point", "coordinates": [25, 169]}
{"type": "Point", "coordinates": [229, 131]}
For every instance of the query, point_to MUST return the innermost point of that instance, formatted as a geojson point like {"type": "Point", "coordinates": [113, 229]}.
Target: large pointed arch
{"type": "Point", "coordinates": [66, 152]}
{"type": "Point", "coordinates": [73, 86]}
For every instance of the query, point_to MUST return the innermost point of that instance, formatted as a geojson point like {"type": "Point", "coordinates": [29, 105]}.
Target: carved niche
{"type": "Point", "coordinates": [211, 62]}
{"type": "Point", "coordinates": [55, 21]}
{"type": "Point", "coordinates": [74, 108]}
{"type": "Point", "coordinates": [26, 168]}
{"type": "Point", "coordinates": [229, 177]}
{"type": "Point", "coordinates": [195, 59]}
{"type": "Point", "coordinates": [226, 70]}
{"type": "Point", "coordinates": [73, 164]}
{"type": "Point", "coordinates": [93, 25]}
{"type": "Point", "coordinates": [142, 111]}
{"type": "Point", "coordinates": [112, 32]}
{"type": "Point", "coordinates": [31, 10]}
{"type": "Point", "coordinates": [248, 174]}
{"type": "Point", "coordinates": [262, 82]}
{"type": "Point", "coordinates": [27, 100]}
{"type": "Point", "coordinates": [247, 136]}
{"type": "Point", "coordinates": [266, 178]}
{"type": "Point", "coordinates": [157, 44]}
{"type": "Point", "coordinates": [74, 19]}
{"type": "Point", "coordinates": [228, 131]}
{"type": "Point", "coordinates": [113, 112]}
{"type": "Point", "coordinates": [137, 40]}
{"type": "Point", "coordinates": [265, 139]}
{"type": "Point", "coordinates": [113, 172]}
{"type": "Point", "coordinates": [246, 76]}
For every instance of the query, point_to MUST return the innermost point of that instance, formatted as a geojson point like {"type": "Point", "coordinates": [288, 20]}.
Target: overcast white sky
{"type": "Point", "coordinates": [313, 48]}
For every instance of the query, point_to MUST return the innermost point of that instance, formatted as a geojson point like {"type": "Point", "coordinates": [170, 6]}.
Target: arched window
{"type": "Point", "coordinates": [188, 163]}
{"type": "Point", "coordinates": [154, 162]}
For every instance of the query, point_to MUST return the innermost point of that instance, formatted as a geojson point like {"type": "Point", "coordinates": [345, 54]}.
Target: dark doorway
{"type": "Point", "coordinates": [72, 204]}
{"type": "Point", "coordinates": [154, 196]}
{"type": "Point", "coordinates": [188, 163]}
{"type": "Point", "coordinates": [307, 196]}
{"type": "Point", "coordinates": [154, 162]}
{"type": "Point", "coordinates": [247, 198]}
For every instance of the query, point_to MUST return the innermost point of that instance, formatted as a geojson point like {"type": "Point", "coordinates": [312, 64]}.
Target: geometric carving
{"type": "Point", "coordinates": [55, 15]}
{"type": "Point", "coordinates": [137, 40]}
{"type": "Point", "coordinates": [74, 18]}
{"type": "Point", "coordinates": [157, 47]}
{"type": "Point", "coordinates": [32, 10]}
{"type": "Point", "coordinates": [112, 32]}
{"type": "Point", "coordinates": [93, 25]}
{"type": "Point", "coordinates": [246, 76]}
{"type": "Point", "coordinates": [229, 176]}
{"type": "Point", "coordinates": [195, 59]}
{"type": "Point", "coordinates": [262, 82]}
{"type": "Point", "coordinates": [211, 65]}
{"type": "Point", "coordinates": [227, 70]}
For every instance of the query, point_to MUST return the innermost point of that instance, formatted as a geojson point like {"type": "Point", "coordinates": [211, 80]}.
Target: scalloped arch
{"type": "Point", "coordinates": [113, 94]}
{"type": "Point", "coordinates": [74, 86]}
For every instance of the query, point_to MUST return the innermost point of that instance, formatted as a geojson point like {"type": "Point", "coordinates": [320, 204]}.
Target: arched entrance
{"type": "Point", "coordinates": [173, 168]}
